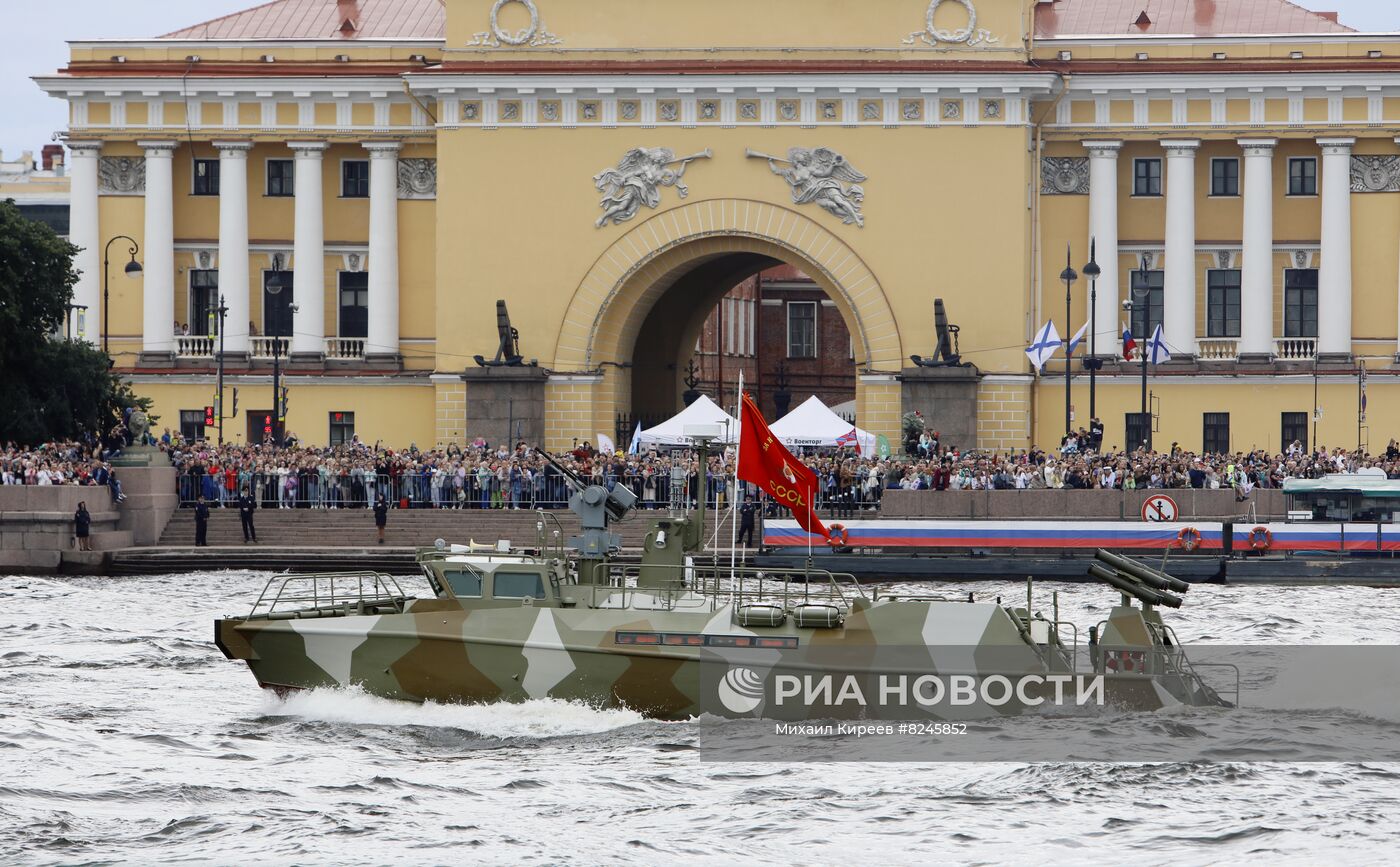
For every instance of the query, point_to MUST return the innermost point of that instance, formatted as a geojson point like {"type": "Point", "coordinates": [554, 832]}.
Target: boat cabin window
{"type": "Point", "coordinates": [516, 585]}
{"type": "Point", "coordinates": [463, 582]}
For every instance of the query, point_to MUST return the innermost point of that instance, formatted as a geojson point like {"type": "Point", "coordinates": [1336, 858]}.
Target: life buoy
{"type": "Point", "coordinates": [837, 535]}
{"type": "Point", "coordinates": [1190, 538]}
{"type": "Point", "coordinates": [1260, 539]}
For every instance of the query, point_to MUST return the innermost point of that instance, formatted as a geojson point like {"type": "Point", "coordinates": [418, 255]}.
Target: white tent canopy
{"type": "Point", "coordinates": [703, 412]}
{"type": "Point", "coordinates": [813, 424]}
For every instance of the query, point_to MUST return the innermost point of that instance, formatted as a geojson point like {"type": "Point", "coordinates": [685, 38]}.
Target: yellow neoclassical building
{"type": "Point", "coordinates": [349, 187]}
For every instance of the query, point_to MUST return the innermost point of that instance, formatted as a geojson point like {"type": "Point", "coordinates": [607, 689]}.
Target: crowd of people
{"type": "Point", "coordinates": [480, 476]}
{"type": "Point", "coordinates": [477, 476]}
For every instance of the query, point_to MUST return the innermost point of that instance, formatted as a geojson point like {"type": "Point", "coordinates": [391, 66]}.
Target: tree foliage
{"type": "Point", "coordinates": [50, 388]}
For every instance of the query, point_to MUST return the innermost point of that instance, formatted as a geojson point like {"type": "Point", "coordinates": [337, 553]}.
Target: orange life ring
{"type": "Point", "coordinates": [1190, 538]}
{"type": "Point", "coordinates": [1260, 539]}
{"type": "Point", "coordinates": [837, 535]}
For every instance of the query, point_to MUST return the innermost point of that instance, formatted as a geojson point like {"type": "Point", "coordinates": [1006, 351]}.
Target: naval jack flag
{"type": "Point", "coordinates": [1047, 340]}
{"type": "Point", "coordinates": [1157, 347]}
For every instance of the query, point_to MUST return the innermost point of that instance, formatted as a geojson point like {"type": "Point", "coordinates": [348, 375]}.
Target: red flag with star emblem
{"type": "Point", "coordinates": [764, 461]}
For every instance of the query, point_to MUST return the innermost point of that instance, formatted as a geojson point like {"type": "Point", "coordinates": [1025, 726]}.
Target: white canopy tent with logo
{"type": "Point", "coordinates": [814, 425]}
{"type": "Point", "coordinates": [703, 411]}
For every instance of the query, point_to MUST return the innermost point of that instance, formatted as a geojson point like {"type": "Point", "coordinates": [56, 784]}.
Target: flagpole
{"type": "Point", "coordinates": [738, 492]}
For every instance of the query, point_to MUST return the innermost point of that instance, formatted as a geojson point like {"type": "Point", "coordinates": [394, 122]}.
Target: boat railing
{"type": "Point", "coordinates": [710, 586]}
{"type": "Point", "coordinates": [288, 597]}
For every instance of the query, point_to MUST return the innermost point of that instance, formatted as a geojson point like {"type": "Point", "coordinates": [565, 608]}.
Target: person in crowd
{"type": "Point", "coordinates": [201, 523]}
{"type": "Point", "coordinates": [246, 506]}
{"type": "Point", "coordinates": [747, 513]}
{"type": "Point", "coordinates": [381, 515]}
{"type": "Point", "coordinates": [82, 526]}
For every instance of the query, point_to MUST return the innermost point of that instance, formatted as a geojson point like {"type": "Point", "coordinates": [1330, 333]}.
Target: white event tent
{"type": "Point", "coordinates": [703, 412]}
{"type": "Point", "coordinates": [813, 424]}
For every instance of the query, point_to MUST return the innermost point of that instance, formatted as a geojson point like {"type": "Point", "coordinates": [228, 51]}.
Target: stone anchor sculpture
{"type": "Point", "coordinates": [508, 350]}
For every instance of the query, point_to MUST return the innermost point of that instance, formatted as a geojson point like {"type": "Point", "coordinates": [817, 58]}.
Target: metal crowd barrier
{"type": "Point", "coordinates": [546, 490]}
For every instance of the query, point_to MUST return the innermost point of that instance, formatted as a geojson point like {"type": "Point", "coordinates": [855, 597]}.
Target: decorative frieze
{"type": "Point", "coordinates": [1375, 174]}
{"type": "Point", "coordinates": [417, 179]}
{"type": "Point", "coordinates": [121, 176]}
{"type": "Point", "coordinates": [1064, 176]}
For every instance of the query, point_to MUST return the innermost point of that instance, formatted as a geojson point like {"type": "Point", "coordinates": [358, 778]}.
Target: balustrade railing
{"type": "Point", "coordinates": [194, 346]}
{"type": "Point", "coordinates": [1218, 349]}
{"type": "Point", "coordinates": [345, 348]}
{"type": "Point", "coordinates": [1295, 348]}
{"type": "Point", "coordinates": [261, 347]}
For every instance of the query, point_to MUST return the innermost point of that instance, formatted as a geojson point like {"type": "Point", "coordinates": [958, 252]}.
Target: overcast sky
{"type": "Point", "coordinates": [33, 43]}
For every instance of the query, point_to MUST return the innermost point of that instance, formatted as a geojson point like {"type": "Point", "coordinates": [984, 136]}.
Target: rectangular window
{"type": "Point", "coordinates": [1294, 429]}
{"type": "Point", "coordinates": [463, 582]}
{"type": "Point", "coordinates": [192, 424]}
{"type": "Point", "coordinates": [1300, 302]}
{"type": "Point", "coordinates": [802, 329]}
{"type": "Point", "coordinates": [1147, 177]}
{"type": "Point", "coordinates": [1147, 313]}
{"type": "Point", "coordinates": [281, 178]}
{"type": "Point", "coordinates": [206, 177]}
{"type": "Point", "coordinates": [518, 585]}
{"type": "Point", "coordinates": [354, 303]}
{"type": "Point", "coordinates": [1135, 427]}
{"type": "Point", "coordinates": [1215, 432]}
{"type": "Point", "coordinates": [354, 179]}
{"type": "Point", "coordinates": [1225, 176]}
{"type": "Point", "coordinates": [204, 301]}
{"type": "Point", "coordinates": [1302, 176]}
{"type": "Point", "coordinates": [277, 305]}
{"type": "Point", "coordinates": [1223, 303]}
{"type": "Point", "coordinates": [342, 428]}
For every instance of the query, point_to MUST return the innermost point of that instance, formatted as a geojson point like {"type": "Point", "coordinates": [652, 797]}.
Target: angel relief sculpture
{"type": "Point", "coordinates": [820, 176]}
{"type": "Point", "coordinates": [637, 181]}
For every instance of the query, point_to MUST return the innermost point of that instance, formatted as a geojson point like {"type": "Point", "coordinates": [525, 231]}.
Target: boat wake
{"type": "Point", "coordinates": [537, 719]}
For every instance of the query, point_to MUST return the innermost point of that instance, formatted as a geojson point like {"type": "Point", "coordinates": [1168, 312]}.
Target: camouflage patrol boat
{"type": "Point", "coordinates": [675, 637]}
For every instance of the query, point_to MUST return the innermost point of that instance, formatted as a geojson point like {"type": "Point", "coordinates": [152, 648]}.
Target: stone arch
{"type": "Point", "coordinates": [601, 324]}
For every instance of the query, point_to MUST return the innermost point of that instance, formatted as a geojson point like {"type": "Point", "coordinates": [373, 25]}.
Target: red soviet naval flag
{"type": "Point", "coordinates": [767, 463]}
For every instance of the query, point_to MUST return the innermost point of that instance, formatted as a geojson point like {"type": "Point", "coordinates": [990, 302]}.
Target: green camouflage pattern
{"type": "Point", "coordinates": [675, 652]}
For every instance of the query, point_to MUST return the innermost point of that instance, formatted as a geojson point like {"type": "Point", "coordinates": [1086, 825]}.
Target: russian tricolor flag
{"type": "Point", "coordinates": [1129, 344]}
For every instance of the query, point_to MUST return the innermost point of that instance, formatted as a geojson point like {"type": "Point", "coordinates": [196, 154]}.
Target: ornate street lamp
{"type": "Point", "coordinates": [1069, 276]}
{"type": "Point", "coordinates": [1093, 362]}
{"type": "Point", "coordinates": [132, 269]}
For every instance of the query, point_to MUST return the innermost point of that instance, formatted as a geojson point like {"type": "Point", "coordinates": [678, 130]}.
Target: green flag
{"type": "Point", "coordinates": [882, 445]}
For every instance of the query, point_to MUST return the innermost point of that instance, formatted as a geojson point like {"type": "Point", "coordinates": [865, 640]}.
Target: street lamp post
{"type": "Point", "coordinates": [1141, 294]}
{"type": "Point", "coordinates": [1093, 362]}
{"type": "Point", "coordinates": [274, 287]}
{"type": "Point", "coordinates": [222, 310]}
{"type": "Point", "coordinates": [1069, 276]}
{"type": "Point", "coordinates": [133, 270]}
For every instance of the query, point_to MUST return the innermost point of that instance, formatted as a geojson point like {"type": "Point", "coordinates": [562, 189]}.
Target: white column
{"type": "Point", "coordinates": [83, 233]}
{"type": "Point", "coordinates": [1257, 277]}
{"type": "Point", "coordinates": [1179, 281]}
{"type": "Point", "coordinates": [233, 242]}
{"type": "Point", "coordinates": [309, 253]}
{"type": "Point", "coordinates": [158, 303]}
{"type": "Point", "coordinates": [383, 248]}
{"type": "Point", "coordinates": [1103, 231]}
{"type": "Point", "coordinates": [1334, 276]}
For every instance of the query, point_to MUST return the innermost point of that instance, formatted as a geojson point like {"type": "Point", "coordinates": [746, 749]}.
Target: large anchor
{"type": "Point", "coordinates": [508, 350]}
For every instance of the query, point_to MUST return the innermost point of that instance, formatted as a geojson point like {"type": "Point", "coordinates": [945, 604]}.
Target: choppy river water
{"type": "Point", "coordinates": [125, 736]}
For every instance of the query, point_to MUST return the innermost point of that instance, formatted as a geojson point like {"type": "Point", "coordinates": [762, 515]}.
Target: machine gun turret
{"type": "Point", "coordinates": [595, 506]}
